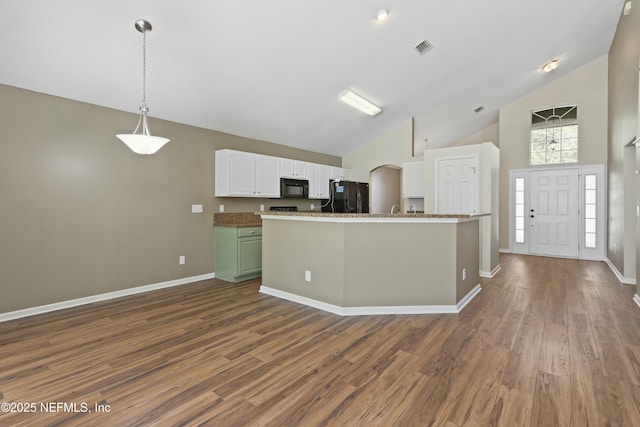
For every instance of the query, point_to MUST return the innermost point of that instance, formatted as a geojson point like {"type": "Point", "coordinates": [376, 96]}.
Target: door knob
{"type": "Point", "coordinates": [532, 216]}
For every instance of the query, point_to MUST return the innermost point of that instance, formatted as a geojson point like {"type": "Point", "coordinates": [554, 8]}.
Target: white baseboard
{"type": "Point", "coordinates": [504, 251]}
{"type": "Point", "coordinates": [621, 278]}
{"type": "Point", "coordinates": [372, 310]}
{"type": "Point", "coordinates": [18, 314]}
{"type": "Point", "coordinates": [489, 275]}
{"type": "Point", "coordinates": [468, 297]}
{"type": "Point", "coordinates": [636, 298]}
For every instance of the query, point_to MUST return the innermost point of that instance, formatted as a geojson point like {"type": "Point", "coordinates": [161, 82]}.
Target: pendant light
{"type": "Point", "coordinates": [553, 144]}
{"type": "Point", "coordinates": [143, 142]}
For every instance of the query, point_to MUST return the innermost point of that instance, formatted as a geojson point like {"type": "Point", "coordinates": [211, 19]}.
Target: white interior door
{"type": "Point", "coordinates": [554, 212]}
{"type": "Point", "coordinates": [457, 185]}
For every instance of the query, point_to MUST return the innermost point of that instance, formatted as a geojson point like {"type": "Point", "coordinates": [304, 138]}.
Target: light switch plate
{"type": "Point", "coordinates": [196, 208]}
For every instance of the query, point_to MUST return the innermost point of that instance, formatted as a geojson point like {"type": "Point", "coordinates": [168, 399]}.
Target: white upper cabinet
{"type": "Point", "coordinates": [335, 173]}
{"type": "Point", "coordinates": [267, 176]}
{"type": "Point", "coordinates": [235, 173]}
{"type": "Point", "coordinates": [241, 174]}
{"type": "Point", "coordinates": [339, 173]}
{"type": "Point", "coordinates": [323, 182]}
{"type": "Point", "coordinates": [413, 180]}
{"type": "Point", "coordinates": [318, 176]}
{"type": "Point", "coordinates": [293, 169]}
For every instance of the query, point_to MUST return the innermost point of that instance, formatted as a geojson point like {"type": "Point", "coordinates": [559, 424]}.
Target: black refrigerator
{"type": "Point", "coordinates": [347, 197]}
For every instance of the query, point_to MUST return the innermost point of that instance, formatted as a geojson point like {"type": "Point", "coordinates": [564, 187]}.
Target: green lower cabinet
{"type": "Point", "coordinates": [238, 253]}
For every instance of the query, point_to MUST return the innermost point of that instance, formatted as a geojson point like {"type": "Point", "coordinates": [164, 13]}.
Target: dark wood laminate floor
{"type": "Point", "coordinates": [547, 342]}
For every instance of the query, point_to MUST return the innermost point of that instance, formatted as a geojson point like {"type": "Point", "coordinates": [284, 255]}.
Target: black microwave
{"type": "Point", "coordinates": [294, 188]}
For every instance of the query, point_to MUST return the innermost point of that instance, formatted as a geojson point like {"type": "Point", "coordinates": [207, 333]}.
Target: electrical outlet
{"type": "Point", "coordinates": [312, 207]}
{"type": "Point", "coordinates": [221, 208]}
{"type": "Point", "coordinates": [261, 208]}
{"type": "Point", "coordinates": [307, 276]}
{"type": "Point", "coordinates": [464, 274]}
{"type": "Point", "coordinates": [182, 260]}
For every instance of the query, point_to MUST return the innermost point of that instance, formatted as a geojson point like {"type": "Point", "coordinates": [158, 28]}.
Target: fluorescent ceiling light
{"type": "Point", "coordinates": [359, 103]}
{"type": "Point", "coordinates": [627, 7]}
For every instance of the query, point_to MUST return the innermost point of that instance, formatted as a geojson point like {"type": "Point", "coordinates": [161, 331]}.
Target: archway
{"type": "Point", "coordinates": [385, 189]}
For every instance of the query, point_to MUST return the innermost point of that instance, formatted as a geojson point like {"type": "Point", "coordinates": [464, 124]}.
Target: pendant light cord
{"type": "Point", "coordinates": [144, 69]}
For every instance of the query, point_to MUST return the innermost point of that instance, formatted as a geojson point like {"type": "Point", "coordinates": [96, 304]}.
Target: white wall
{"type": "Point", "coordinates": [391, 148]}
{"type": "Point", "coordinates": [491, 133]}
{"type": "Point", "coordinates": [488, 202]}
{"type": "Point", "coordinates": [586, 88]}
{"type": "Point", "coordinates": [623, 128]}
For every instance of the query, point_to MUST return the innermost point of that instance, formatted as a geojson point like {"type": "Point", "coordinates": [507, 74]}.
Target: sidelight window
{"type": "Point", "coordinates": [590, 204]}
{"type": "Point", "coordinates": [519, 210]}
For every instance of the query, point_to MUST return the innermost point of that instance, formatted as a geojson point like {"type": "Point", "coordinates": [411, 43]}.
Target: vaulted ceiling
{"type": "Point", "coordinates": [273, 70]}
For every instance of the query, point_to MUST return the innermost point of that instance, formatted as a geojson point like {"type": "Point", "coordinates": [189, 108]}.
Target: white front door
{"type": "Point", "coordinates": [554, 212]}
{"type": "Point", "coordinates": [457, 185]}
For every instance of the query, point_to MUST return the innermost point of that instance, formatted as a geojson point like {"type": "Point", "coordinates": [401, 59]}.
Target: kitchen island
{"type": "Point", "coordinates": [352, 264]}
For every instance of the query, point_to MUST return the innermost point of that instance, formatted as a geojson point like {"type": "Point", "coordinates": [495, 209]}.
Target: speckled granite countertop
{"type": "Point", "coordinates": [236, 219]}
{"type": "Point", "coordinates": [406, 218]}
{"type": "Point", "coordinates": [365, 215]}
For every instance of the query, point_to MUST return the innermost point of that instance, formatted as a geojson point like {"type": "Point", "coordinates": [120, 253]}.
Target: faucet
{"type": "Point", "coordinates": [394, 206]}
{"type": "Point", "coordinates": [412, 208]}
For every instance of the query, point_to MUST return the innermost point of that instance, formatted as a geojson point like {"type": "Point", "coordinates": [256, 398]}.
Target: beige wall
{"type": "Point", "coordinates": [289, 248]}
{"type": "Point", "coordinates": [400, 264]}
{"type": "Point", "coordinates": [83, 215]}
{"type": "Point", "coordinates": [466, 233]}
{"type": "Point", "coordinates": [585, 87]}
{"type": "Point", "coordinates": [491, 133]}
{"type": "Point", "coordinates": [624, 58]}
{"type": "Point", "coordinates": [392, 148]}
{"type": "Point", "coordinates": [379, 264]}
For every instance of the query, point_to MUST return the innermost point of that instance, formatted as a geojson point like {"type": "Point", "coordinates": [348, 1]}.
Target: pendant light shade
{"type": "Point", "coordinates": [143, 142]}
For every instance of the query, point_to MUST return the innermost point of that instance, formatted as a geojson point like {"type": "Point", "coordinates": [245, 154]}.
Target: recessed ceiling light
{"type": "Point", "coordinates": [550, 66]}
{"type": "Point", "coordinates": [359, 103]}
{"type": "Point", "coordinates": [382, 14]}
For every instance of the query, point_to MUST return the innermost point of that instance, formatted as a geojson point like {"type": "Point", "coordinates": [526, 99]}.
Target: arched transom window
{"type": "Point", "coordinates": [554, 136]}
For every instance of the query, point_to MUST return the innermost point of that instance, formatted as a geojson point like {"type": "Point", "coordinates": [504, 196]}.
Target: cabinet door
{"type": "Point", "coordinates": [413, 180]}
{"type": "Point", "coordinates": [312, 176]}
{"type": "Point", "coordinates": [267, 176]}
{"type": "Point", "coordinates": [249, 255]}
{"type": "Point", "coordinates": [241, 173]}
{"type": "Point", "coordinates": [300, 169]}
{"type": "Point", "coordinates": [286, 168]}
{"type": "Point", "coordinates": [335, 173]}
{"type": "Point", "coordinates": [347, 174]}
{"type": "Point", "coordinates": [293, 169]}
{"type": "Point", "coordinates": [323, 181]}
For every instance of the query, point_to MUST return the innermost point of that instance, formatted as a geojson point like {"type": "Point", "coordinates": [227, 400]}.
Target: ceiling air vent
{"type": "Point", "coordinates": [423, 47]}
{"type": "Point", "coordinates": [480, 108]}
